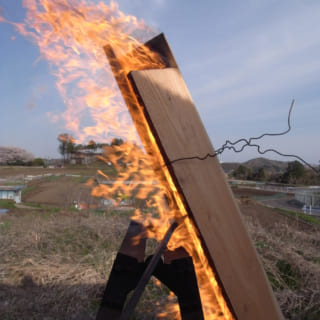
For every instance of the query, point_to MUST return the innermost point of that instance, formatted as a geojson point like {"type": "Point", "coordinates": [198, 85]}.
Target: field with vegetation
{"type": "Point", "coordinates": [55, 260]}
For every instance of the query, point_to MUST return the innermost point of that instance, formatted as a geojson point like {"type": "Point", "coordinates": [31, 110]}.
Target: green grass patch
{"type": "Point", "coordinates": [304, 217]}
{"type": "Point", "coordinates": [4, 225]}
{"type": "Point", "coordinates": [111, 213]}
{"type": "Point", "coordinates": [69, 240]}
{"type": "Point", "coordinates": [49, 213]}
{"type": "Point", "coordinates": [99, 212]}
{"type": "Point", "coordinates": [12, 183]}
{"type": "Point", "coordinates": [109, 171]}
{"type": "Point", "coordinates": [74, 209]}
{"type": "Point", "coordinates": [52, 178]}
{"type": "Point", "coordinates": [288, 275]}
{"type": "Point", "coordinates": [121, 213]}
{"type": "Point", "coordinates": [49, 210]}
{"type": "Point", "coordinates": [311, 314]}
{"type": "Point", "coordinates": [81, 179]}
{"type": "Point", "coordinates": [316, 260]}
{"type": "Point", "coordinates": [91, 169]}
{"type": "Point", "coordinates": [33, 205]}
{"type": "Point", "coordinates": [7, 204]}
{"type": "Point", "coordinates": [261, 244]}
{"type": "Point", "coordinates": [273, 281]}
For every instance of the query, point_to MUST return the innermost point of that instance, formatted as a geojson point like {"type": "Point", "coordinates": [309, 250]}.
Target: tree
{"type": "Point", "coordinates": [66, 146]}
{"type": "Point", "coordinates": [38, 162]}
{"type": "Point", "coordinates": [70, 147]}
{"type": "Point", "coordinates": [260, 175]}
{"type": "Point", "coordinates": [242, 173]}
{"type": "Point", "coordinates": [62, 147]}
{"type": "Point", "coordinates": [117, 142]}
{"type": "Point", "coordinates": [294, 172]}
{"type": "Point", "coordinates": [92, 145]}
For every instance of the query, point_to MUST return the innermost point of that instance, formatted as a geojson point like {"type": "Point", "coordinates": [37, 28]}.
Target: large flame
{"type": "Point", "coordinates": [71, 35]}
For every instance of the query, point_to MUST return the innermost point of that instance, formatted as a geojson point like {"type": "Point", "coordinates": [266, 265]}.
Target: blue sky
{"type": "Point", "coordinates": [243, 61]}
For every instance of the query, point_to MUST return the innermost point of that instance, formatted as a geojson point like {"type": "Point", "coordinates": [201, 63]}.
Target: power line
{"type": "Point", "coordinates": [229, 145]}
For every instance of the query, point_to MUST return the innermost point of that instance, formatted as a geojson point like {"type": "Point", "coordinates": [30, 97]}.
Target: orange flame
{"type": "Point", "coordinates": [71, 35]}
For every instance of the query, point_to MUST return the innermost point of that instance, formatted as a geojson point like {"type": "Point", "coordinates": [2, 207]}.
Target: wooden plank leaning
{"type": "Point", "coordinates": [170, 114]}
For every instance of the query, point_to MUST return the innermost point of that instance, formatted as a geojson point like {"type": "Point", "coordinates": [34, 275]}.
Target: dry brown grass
{"type": "Point", "coordinates": [291, 259]}
{"type": "Point", "coordinates": [55, 265]}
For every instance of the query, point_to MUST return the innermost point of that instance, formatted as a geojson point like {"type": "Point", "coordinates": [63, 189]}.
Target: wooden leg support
{"type": "Point", "coordinates": [177, 273]}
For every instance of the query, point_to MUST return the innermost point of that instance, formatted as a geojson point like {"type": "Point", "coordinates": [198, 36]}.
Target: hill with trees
{"type": "Point", "coordinates": [262, 169]}
{"type": "Point", "coordinates": [270, 167]}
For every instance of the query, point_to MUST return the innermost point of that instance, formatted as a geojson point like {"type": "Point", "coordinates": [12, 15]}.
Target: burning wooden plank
{"type": "Point", "coordinates": [171, 130]}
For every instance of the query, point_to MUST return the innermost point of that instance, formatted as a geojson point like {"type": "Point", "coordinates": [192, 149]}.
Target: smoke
{"type": "Point", "coordinates": [37, 94]}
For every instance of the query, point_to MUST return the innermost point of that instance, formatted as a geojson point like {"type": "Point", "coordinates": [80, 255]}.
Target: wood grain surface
{"type": "Point", "coordinates": [180, 133]}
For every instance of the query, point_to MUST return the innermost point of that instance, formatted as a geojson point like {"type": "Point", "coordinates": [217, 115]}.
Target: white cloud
{"type": "Point", "coordinates": [275, 56]}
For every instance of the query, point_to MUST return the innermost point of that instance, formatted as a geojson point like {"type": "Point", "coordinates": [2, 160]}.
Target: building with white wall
{"type": "Point", "coordinates": [11, 193]}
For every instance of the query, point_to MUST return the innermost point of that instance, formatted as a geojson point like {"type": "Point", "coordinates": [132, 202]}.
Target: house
{"type": "Point", "coordinates": [84, 157]}
{"type": "Point", "coordinates": [11, 193]}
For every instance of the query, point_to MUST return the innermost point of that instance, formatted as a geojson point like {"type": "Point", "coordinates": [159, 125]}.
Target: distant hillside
{"type": "Point", "coordinates": [269, 166]}
{"type": "Point", "coordinates": [12, 154]}
{"type": "Point", "coordinates": [228, 167]}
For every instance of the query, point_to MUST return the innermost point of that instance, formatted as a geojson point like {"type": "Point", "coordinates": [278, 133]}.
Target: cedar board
{"type": "Point", "coordinates": [179, 132]}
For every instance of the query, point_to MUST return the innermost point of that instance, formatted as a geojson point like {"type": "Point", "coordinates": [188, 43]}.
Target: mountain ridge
{"type": "Point", "coordinates": [269, 166]}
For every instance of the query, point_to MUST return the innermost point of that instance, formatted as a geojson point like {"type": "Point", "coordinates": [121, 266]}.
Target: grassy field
{"type": "Point", "coordinates": [6, 204]}
{"type": "Point", "coordinates": [291, 258]}
{"type": "Point", "coordinates": [86, 170]}
{"type": "Point", "coordinates": [55, 265]}
{"type": "Point", "coordinates": [55, 261]}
